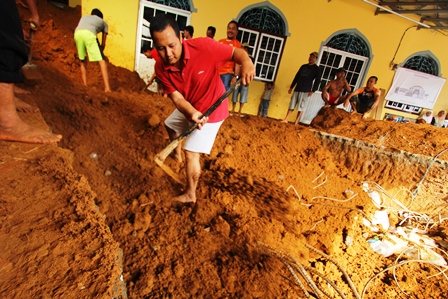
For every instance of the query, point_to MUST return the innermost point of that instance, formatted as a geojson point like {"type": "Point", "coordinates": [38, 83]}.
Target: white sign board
{"type": "Point", "coordinates": [415, 88]}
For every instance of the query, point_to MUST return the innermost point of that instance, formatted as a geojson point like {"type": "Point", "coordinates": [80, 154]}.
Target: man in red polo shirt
{"type": "Point", "coordinates": [188, 72]}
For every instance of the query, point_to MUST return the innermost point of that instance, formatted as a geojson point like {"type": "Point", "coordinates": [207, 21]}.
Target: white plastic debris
{"type": "Point", "coordinates": [348, 241]}
{"type": "Point", "coordinates": [425, 244]}
{"type": "Point", "coordinates": [385, 248]}
{"type": "Point", "coordinates": [429, 255]}
{"type": "Point", "coordinates": [381, 218]}
{"type": "Point", "coordinates": [367, 223]}
{"type": "Point", "coordinates": [374, 195]}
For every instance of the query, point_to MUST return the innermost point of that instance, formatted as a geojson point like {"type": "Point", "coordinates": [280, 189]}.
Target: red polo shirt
{"type": "Point", "coordinates": [199, 81]}
{"type": "Point", "coordinates": [154, 54]}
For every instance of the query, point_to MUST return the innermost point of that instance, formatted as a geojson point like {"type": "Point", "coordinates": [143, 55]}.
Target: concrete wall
{"type": "Point", "coordinates": [310, 24]}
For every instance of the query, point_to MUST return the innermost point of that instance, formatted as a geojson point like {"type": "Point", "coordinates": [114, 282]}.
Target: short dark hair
{"type": "Point", "coordinates": [190, 30]}
{"type": "Point", "coordinates": [146, 48]}
{"type": "Point", "coordinates": [212, 29]}
{"type": "Point", "coordinates": [161, 21]}
{"type": "Point", "coordinates": [234, 22]}
{"type": "Point", "coordinates": [374, 77]}
{"type": "Point", "coordinates": [97, 12]}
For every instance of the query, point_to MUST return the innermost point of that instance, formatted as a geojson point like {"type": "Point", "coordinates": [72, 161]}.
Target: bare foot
{"type": "Point", "coordinates": [23, 132]}
{"type": "Point", "coordinates": [184, 198]}
{"type": "Point", "coordinates": [284, 121]}
{"type": "Point", "coordinates": [107, 90]}
{"type": "Point", "coordinates": [19, 90]}
{"type": "Point", "coordinates": [24, 107]}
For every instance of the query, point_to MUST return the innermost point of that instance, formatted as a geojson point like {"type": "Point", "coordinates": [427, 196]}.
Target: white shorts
{"type": "Point", "coordinates": [199, 141]}
{"type": "Point", "coordinates": [300, 99]}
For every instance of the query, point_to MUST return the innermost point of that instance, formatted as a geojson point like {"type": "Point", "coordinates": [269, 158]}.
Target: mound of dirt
{"type": "Point", "coordinates": [273, 198]}
{"type": "Point", "coordinates": [424, 139]}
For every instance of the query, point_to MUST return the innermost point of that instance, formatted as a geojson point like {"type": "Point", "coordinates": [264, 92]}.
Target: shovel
{"type": "Point", "coordinates": [160, 157]}
{"type": "Point", "coordinates": [30, 71]}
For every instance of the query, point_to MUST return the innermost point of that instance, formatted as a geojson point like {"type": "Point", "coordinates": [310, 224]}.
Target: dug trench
{"type": "Point", "coordinates": [272, 197]}
{"type": "Point", "coordinates": [380, 162]}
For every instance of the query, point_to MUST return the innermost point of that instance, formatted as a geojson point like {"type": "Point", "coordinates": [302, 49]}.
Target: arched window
{"type": "Point", "coordinates": [264, 28]}
{"type": "Point", "coordinates": [180, 4]}
{"type": "Point", "coordinates": [422, 63]}
{"type": "Point", "coordinates": [349, 42]}
{"type": "Point", "coordinates": [264, 19]}
{"type": "Point", "coordinates": [348, 50]}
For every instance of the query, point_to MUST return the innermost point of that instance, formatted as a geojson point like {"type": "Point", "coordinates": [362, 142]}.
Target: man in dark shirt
{"type": "Point", "coordinates": [306, 82]}
{"type": "Point", "coordinates": [364, 99]}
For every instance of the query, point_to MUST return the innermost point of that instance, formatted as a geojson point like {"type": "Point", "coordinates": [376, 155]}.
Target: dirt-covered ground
{"type": "Point", "coordinates": [92, 216]}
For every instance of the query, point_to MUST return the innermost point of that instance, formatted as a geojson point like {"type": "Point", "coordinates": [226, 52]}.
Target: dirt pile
{"type": "Point", "coordinates": [269, 193]}
{"type": "Point", "coordinates": [423, 139]}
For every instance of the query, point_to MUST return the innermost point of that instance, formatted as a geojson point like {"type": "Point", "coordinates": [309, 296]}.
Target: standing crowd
{"type": "Point", "coordinates": [440, 120]}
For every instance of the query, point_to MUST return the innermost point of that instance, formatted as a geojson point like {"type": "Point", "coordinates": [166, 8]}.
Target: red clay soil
{"type": "Point", "coordinates": [93, 214]}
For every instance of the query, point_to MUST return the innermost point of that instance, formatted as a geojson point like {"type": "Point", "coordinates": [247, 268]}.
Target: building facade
{"type": "Point", "coordinates": [282, 34]}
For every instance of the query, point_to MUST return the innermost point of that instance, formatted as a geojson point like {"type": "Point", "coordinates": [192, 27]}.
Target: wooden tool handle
{"type": "Point", "coordinates": [30, 37]}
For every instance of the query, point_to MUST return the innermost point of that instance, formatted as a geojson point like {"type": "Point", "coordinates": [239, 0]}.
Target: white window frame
{"type": "Point", "coordinates": [344, 57]}
{"type": "Point", "coordinates": [144, 25]}
{"type": "Point", "coordinates": [256, 50]}
{"type": "Point", "coordinates": [246, 36]}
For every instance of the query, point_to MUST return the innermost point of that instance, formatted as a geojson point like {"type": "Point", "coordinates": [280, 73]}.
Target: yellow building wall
{"type": "Point", "coordinates": [122, 18]}
{"type": "Point", "coordinates": [310, 24]}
